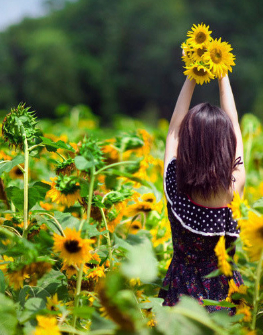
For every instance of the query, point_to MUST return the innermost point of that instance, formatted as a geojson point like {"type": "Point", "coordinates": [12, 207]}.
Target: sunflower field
{"type": "Point", "coordinates": [85, 239]}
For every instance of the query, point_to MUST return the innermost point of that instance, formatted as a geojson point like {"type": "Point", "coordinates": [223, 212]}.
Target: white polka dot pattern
{"type": "Point", "coordinates": [196, 218]}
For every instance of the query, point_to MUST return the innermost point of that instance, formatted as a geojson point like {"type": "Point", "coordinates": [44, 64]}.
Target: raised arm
{"type": "Point", "coordinates": [227, 103]}
{"type": "Point", "coordinates": [180, 110]}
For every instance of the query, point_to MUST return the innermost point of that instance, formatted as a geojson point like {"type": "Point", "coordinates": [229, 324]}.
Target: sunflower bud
{"type": "Point", "coordinates": [18, 125]}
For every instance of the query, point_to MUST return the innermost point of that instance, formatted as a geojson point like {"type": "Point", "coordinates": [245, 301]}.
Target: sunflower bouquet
{"type": "Point", "coordinates": [206, 58]}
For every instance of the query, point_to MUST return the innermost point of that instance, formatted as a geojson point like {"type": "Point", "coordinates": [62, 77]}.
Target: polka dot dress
{"type": "Point", "coordinates": [195, 233]}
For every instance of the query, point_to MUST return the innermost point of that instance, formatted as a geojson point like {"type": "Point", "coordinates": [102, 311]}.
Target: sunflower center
{"type": "Point", "coordinates": [18, 172]}
{"type": "Point", "coordinates": [200, 73]}
{"type": "Point", "coordinates": [72, 246]}
{"type": "Point", "coordinates": [260, 232]}
{"type": "Point", "coordinates": [200, 52]}
{"type": "Point", "coordinates": [135, 226]}
{"type": "Point", "coordinates": [200, 37]}
{"type": "Point", "coordinates": [216, 55]}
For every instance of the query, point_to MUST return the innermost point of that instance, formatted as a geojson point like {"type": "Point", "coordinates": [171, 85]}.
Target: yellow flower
{"type": "Point", "coordinates": [46, 326]}
{"type": "Point", "coordinates": [244, 309]}
{"type": "Point", "coordinates": [233, 288]}
{"type": "Point", "coordinates": [135, 281]}
{"type": "Point", "coordinates": [199, 73]}
{"type": "Point", "coordinates": [5, 259]}
{"type": "Point", "coordinates": [16, 278]}
{"type": "Point", "coordinates": [222, 256]}
{"type": "Point", "coordinates": [161, 233]}
{"type": "Point", "coordinates": [53, 303]}
{"type": "Point", "coordinates": [16, 173]}
{"type": "Point", "coordinates": [96, 272]}
{"type": "Point", "coordinates": [187, 53]}
{"type": "Point", "coordinates": [67, 196]}
{"type": "Point", "coordinates": [252, 235]}
{"type": "Point", "coordinates": [151, 323]}
{"type": "Point", "coordinates": [134, 227]}
{"type": "Point", "coordinates": [237, 205]}
{"type": "Point", "coordinates": [198, 52]}
{"type": "Point", "coordinates": [199, 36]}
{"type": "Point", "coordinates": [72, 248]}
{"type": "Point", "coordinates": [219, 57]}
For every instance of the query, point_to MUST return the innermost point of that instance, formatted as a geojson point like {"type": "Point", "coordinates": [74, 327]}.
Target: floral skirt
{"type": "Point", "coordinates": [190, 280]}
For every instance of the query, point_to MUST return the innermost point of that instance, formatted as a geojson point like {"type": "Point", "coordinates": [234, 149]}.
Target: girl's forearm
{"type": "Point", "coordinates": [182, 104]}
{"type": "Point", "coordinates": [227, 100]}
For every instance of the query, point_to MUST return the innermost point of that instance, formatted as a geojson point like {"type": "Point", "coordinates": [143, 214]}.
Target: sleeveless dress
{"type": "Point", "coordinates": [195, 230]}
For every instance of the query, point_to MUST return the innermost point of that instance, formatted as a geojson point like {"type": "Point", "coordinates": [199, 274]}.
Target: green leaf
{"type": "Point", "coordinates": [82, 163]}
{"type": "Point", "coordinates": [36, 193]}
{"type": "Point", "coordinates": [141, 262]}
{"type": "Point", "coordinates": [222, 318]}
{"type": "Point", "coordinates": [84, 188]}
{"type": "Point", "coordinates": [258, 204]}
{"type": "Point", "coordinates": [66, 220]}
{"type": "Point", "coordinates": [9, 165]}
{"type": "Point", "coordinates": [127, 175]}
{"type": "Point", "coordinates": [8, 317]}
{"type": "Point", "coordinates": [93, 231]}
{"type": "Point", "coordinates": [83, 311]}
{"type": "Point", "coordinates": [214, 273]}
{"type": "Point", "coordinates": [53, 146]}
{"type": "Point", "coordinates": [208, 302]}
{"type": "Point", "coordinates": [2, 282]}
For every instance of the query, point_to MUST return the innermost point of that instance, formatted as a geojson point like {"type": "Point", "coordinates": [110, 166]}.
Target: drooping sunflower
{"type": "Point", "coordinates": [222, 256]}
{"type": "Point", "coordinates": [64, 190]}
{"type": "Point", "coordinates": [199, 73]}
{"type": "Point", "coordinates": [219, 57]}
{"type": "Point", "coordinates": [72, 248]}
{"type": "Point", "coordinates": [252, 235]}
{"type": "Point", "coordinates": [199, 36]}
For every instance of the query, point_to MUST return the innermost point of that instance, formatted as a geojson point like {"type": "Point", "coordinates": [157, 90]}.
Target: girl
{"type": "Point", "coordinates": [203, 167]}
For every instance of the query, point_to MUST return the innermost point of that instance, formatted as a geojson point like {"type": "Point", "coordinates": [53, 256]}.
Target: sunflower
{"type": "Point", "coordinates": [134, 227]}
{"type": "Point", "coordinates": [47, 325]}
{"type": "Point", "coordinates": [223, 257]}
{"type": "Point", "coordinates": [17, 173]}
{"type": "Point", "coordinates": [199, 36]}
{"type": "Point", "coordinates": [95, 272]}
{"type": "Point", "coordinates": [199, 73]}
{"type": "Point", "coordinates": [219, 57]}
{"type": "Point", "coordinates": [71, 270]}
{"type": "Point", "coordinates": [53, 303]}
{"type": "Point", "coordinates": [252, 235]}
{"type": "Point", "coordinates": [72, 248]}
{"type": "Point", "coordinates": [198, 52]}
{"type": "Point", "coordinates": [187, 53]}
{"type": "Point", "coordinates": [233, 288]}
{"type": "Point", "coordinates": [238, 206]}
{"type": "Point", "coordinates": [5, 260]}
{"type": "Point", "coordinates": [244, 309]}
{"type": "Point", "coordinates": [16, 278]}
{"type": "Point", "coordinates": [64, 190]}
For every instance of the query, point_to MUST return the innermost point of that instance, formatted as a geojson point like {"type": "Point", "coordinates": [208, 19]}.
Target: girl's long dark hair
{"type": "Point", "coordinates": [206, 151]}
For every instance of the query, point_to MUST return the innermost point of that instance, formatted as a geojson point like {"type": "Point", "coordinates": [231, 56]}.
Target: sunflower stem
{"type": "Point", "coordinates": [256, 291]}
{"type": "Point", "coordinates": [25, 187]}
{"type": "Point", "coordinates": [56, 221]}
{"type": "Point", "coordinates": [61, 156]}
{"type": "Point", "coordinates": [107, 237]}
{"type": "Point", "coordinates": [113, 165]}
{"type": "Point", "coordinates": [80, 272]}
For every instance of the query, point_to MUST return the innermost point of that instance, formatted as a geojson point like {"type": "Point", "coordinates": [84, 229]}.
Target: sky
{"type": "Point", "coordinates": [13, 11]}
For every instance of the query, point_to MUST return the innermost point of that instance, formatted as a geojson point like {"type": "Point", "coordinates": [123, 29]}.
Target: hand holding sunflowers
{"type": "Point", "coordinates": [206, 58]}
